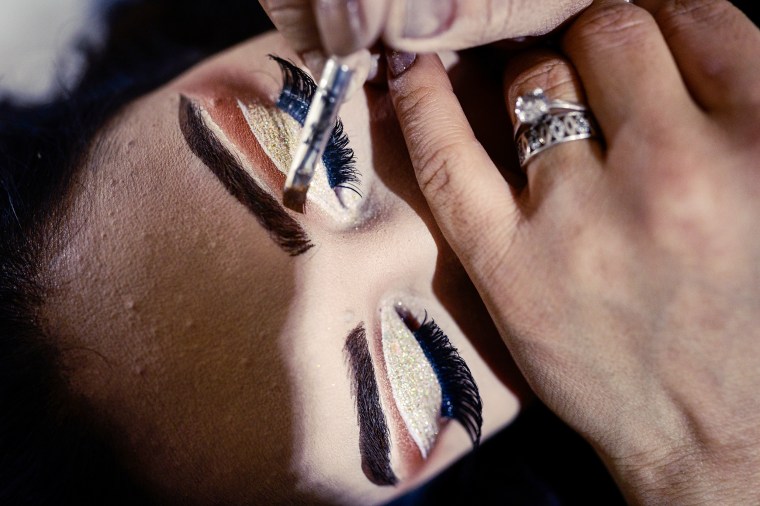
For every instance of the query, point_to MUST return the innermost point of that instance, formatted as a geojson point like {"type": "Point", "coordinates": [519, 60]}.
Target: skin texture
{"type": "Point", "coordinates": [215, 359]}
{"type": "Point", "coordinates": [624, 277]}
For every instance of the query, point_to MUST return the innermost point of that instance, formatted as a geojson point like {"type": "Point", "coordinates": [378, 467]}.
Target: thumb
{"type": "Point", "coordinates": [346, 26]}
{"type": "Point", "coordinates": [295, 21]}
{"type": "Point", "coordinates": [438, 25]}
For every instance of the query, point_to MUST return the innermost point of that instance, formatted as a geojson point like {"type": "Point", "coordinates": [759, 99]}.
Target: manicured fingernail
{"type": "Point", "coordinates": [426, 18]}
{"type": "Point", "coordinates": [400, 61]}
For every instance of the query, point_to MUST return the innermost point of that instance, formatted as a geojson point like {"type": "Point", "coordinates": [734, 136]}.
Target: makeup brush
{"type": "Point", "coordinates": [317, 129]}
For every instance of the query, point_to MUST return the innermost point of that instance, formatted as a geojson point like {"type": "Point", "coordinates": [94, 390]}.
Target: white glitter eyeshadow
{"type": "Point", "coordinates": [276, 132]}
{"type": "Point", "coordinates": [413, 382]}
{"type": "Point", "coordinates": [278, 135]}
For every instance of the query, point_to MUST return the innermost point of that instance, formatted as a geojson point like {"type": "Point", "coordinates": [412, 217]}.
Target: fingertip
{"type": "Point", "coordinates": [399, 62]}
{"type": "Point", "coordinates": [413, 69]}
{"type": "Point", "coordinates": [362, 63]}
{"type": "Point", "coordinates": [347, 26]}
{"type": "Point", "coordinates": [314, 60]}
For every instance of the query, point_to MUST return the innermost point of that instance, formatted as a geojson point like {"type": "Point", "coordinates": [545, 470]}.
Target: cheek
{"type": "Point", "coordinates": [221, 291]}
{"type": "Point", "coordinates": [181, 302]}
{"type": "Point", "coordinates": [225, 374]}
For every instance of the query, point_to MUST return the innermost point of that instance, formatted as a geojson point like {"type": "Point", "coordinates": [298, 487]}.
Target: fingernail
{"type": "Point", "coordinates": [375, 67]}
{"type": "Point", "coordinates": [361, 62]}
{"type": "Point", "coordinates": [315, 62]}
{"type": "Point", "coordinates": [426, 18]}
{"type": "Point", "coordinates": [400, 61]}
{"type": "Point", "coordinates": [341, 24]}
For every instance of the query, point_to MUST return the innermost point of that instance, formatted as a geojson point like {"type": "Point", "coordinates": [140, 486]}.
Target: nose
{"type": "Point", "coordinates": [396, 253]}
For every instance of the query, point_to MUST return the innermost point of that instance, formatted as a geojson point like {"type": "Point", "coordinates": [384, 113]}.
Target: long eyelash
{"type": "Point", "coordinates": [297, 90]}
{"type": "Point", "coordinates": [339, 159]}
{"type": "Point", "coordinates": [461, 399]}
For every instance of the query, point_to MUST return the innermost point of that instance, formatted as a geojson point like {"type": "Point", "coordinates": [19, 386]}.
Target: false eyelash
{"type": "Point", "coordinates": [297, 91]}
{"type": "Point", "coordinates": [460, 397]}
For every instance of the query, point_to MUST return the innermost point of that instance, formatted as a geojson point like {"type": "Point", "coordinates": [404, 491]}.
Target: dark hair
{"type": "Point", "coordinates": [50, 453]}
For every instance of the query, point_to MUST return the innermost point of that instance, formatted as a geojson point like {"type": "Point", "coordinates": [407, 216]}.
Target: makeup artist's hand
{"type": "Point", "coordinates": [625, 277]}
{"type": "Point", "coordinates": [344, 26]}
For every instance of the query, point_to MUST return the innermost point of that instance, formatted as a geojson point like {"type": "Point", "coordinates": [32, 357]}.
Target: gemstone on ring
{"type": "Point", "coordinates": [583, 124]}
{"type": "Point", "coordinates": [531, 107]}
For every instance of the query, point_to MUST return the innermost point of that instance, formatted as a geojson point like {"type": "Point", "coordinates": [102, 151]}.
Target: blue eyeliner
{"type": "Point", "coordinates": [297, 92]}
{"type": "Point", "coordinates": [316, 109]}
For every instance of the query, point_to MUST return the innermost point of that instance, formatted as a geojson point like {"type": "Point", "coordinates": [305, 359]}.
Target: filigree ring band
{"type": "Point", "coordinates": [543, 123]}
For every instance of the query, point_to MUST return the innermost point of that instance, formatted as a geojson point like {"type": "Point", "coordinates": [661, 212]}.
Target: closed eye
{"type": "Point", "coordinates": [284, 230]}
{"type": "Point", "coordinates": [339, 159]}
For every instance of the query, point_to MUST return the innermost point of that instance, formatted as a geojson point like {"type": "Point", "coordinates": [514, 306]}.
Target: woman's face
{"type": "Point", "coordinates": [236, 350]}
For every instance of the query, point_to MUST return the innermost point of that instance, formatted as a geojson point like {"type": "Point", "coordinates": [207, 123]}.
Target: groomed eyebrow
{"type": "Point", "coordinates": [374, 438]}
{"type": "Point", "coordinates": [284, 230]}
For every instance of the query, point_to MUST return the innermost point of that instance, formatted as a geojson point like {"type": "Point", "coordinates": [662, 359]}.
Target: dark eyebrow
{"type": "Point", "coordinates": [282, 228]}
{"type": "Point", "coordinates": [374, 438]}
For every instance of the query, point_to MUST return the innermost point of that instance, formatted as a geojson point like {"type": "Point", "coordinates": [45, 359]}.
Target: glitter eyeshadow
{"type": "Point", "coordinates": [413, 381]}
{"type": "Point", "coordinates": [278, 135]}
{"type": "Point", "coordinates": [276, 132]}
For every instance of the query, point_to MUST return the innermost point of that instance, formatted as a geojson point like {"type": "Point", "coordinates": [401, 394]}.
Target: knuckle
{"type": "Point", "coordinates": [678, 198]}
{"type": "Point", "coordinates": [612, 24]}
{"type": "Point", "coordinates": [497, 18]}
{"type": "Point", "coordinates": [553, 75]}
{"type": "Point", "coordinates": [433, 153]}
{"type": "Point", "coordinates": [437, 147]}
{"type": "Point", "coordinates": [295, 21]}
{"type": "Point", "coordinates": [679, 16]}
{"type": "Point", "coordinates": [680, 12]}
{"type": "Point", "coordinates": [435, 165]}
{"type": "Point", "coordinates": [412, 104]}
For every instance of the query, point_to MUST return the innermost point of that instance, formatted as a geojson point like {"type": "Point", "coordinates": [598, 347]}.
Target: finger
{"type": "Point", "coordinates": [564, 164]}
{"type": "Point", "coordinates": [437, 25]}
{"type": "Point", "coordinates": [347, 26]}
{"type": "Point", "coordinates": [627, 70]}
{"type": "Point", "coordinates": [716, 47]}
{"type": "Point", "coordinates": [295, 21]}
{"type": "Point", "coordinates": [471, 202]}
{"type": "Point", "coordinates": [361, 65]}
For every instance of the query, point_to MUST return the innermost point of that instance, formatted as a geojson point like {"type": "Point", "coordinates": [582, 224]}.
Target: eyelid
{"type": "Point", "coordinates": [339, 160]}
{"type": "Point", "coordinates": [429, 380]}
{"type": "Point", "coordinates": [282, 228]}
{"type": "Point", "coordinates": [278, 133]}
{"type": "Point", "coordinates": [412, 379]}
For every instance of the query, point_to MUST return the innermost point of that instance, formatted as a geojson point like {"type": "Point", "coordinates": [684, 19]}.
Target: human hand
{"type": "Point", "coordinates": [625, 277]}
{"type": "Point", "coordinates": [343, 27]}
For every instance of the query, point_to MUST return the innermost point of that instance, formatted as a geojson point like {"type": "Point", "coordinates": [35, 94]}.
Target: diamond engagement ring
{"type": "Point", "coordinates": [543, 123]}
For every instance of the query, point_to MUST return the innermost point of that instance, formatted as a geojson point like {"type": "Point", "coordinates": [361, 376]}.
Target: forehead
{"type": "Point", "coordinates": [172, 297]}
{"type": "Point", "coordinates": [176, 310]}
